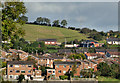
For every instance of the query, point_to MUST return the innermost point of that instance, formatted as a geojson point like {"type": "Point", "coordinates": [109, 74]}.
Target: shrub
{"type": "Point", "coordinates": [63, 77]}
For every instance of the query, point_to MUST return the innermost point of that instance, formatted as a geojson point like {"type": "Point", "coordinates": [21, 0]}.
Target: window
{"type": "Point", "coordinates": [38, 72]}
{"type": "Point", "coordinates": [77, 66]}
{"type": "Point", "coordinates": [17, 71]}
{"type": "Point", "coordinates": [22, 71]}
{"type": "Point", "coordinates": [29, 65]}
{"type": "Point", "coordinates": [49, 71]}
{"type": "Point", "coordinates": [16, 65]}
{"type": "Point", "coordinates": [29, 71]}
{"type": "Point", "coordinates": [57, 66]}
{"type": "Point", "coordinates": [10, 70]}
{"type": "Point", "coordinates": [59, 71]}
{"type": "Point", "coordinates": [11, 76]}
{"type": "Point", "coordinates": [10, 65]}
{"type": "Point", "coordinates": [23, 65]}
{"type": "Point", "coordinates": [48, 42]}
{"type": "Point", "coordinates": [64, 66]}
{"type": "Point", "coordinates": [64, 71]}
{"type": "Point", "coordinates": [70, 66]}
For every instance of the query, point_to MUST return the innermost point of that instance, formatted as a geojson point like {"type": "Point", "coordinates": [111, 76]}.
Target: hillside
{"type": "Point", "coordinates": [34, 32]}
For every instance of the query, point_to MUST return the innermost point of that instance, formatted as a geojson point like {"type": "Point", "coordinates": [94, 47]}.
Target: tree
{"type": "Point", "coordinates": [76, 41]}
{"type": "Point", "coordinates": [96, 36]}
{"type": "Point", "coordinates": [47, 21]}
{"type": "Point", "coordinates": [85, 30]}
{"type": "Point", "coordinates": [56, 23]}
{"type": "Point", "coordinates": [74, 68]}
{"type": "Point", "coordinates": [4, 64]}
{"type": "Point", "coordinates": [104, 68]}
{"type": "Point", "coordinates": [73, 28]}
{"type": "Point", "coordinates": [115, 71]}
{"type": "Point", "coordinates": [20, 78]}
{"type": "Point", "coordinates": [11, 16]}
{"type": "Point", "coordinates": [83, 56]}
{"type": "Point", "coordinates": [24, 18]}
{"type": "Point", "coordinates": [87, 73]}
{"type": "Point", "coordinates": [39, 20]}
{"type": "Point", "coordinates": [102, 33]}
{"type": "Point", "coordinates": [91, 50]}
{"type": "Point", "coordinates": [64, 23]}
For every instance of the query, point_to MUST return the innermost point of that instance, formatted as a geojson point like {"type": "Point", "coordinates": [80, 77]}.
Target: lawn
{"type": "Point", "coordinates": [34, 32]}
{"type": "Point", "coordinates": [102, 79]}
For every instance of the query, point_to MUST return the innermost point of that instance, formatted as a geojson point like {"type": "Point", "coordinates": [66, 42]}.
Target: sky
{"type": "Point", "coordinates": [102, 16]}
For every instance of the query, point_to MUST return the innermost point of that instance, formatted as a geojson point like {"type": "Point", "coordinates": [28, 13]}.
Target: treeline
{"type": "Point", "coordinates": [47, 22]}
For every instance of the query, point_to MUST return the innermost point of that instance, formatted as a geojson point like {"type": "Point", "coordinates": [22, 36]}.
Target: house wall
{"type": "Point", "coordinates": [65, 69]}
{"type": "Point", "coordinates": [50, 72]}
{"type": "Point", "coordinates": [46, 62]}
{"type": "Point", "coordinates": [20, 68]}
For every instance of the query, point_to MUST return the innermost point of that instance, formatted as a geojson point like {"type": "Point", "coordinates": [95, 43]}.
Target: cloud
{"type": "Point", "coordinates": [97, 15]}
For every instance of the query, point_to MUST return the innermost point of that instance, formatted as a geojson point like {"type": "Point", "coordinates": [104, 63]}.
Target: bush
{"type": "Point", "coordinates": [63, 77]}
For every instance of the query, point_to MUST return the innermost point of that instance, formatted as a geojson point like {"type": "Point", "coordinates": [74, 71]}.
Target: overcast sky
{"type": "Point", "coordinates": [102, 16]}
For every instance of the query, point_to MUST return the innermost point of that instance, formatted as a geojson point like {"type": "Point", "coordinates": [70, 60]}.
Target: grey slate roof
{"type": "Point", "coordinates": [20, 62]}
{"type": "Point", "coordinates": [47, 40]}
{"type": "Point", "coordinates": [63, 62]}
{"type": "Point", "coordinates": [113, 39]}
{"type": "Point", "coordinates": [64, 51]}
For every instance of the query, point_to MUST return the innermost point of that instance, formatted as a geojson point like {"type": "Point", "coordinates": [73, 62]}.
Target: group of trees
{"type": "Point", "coordinates": [77, 56]}
{"type": "Point", "coordinates": [30, 47]}
{"type": "Point", "coordinates": [103, 69]}
{"type": "Point", "coordinates": [87, 73]}
{"type": "Point", "coordinates": [47, 22]}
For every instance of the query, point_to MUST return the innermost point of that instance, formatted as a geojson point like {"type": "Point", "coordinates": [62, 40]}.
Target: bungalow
{"type": "Point", "coordinates": [49, 41]}
{"type": "Point", "coordinates": [71, 45]}
{"type": "Point", "coordinates": [113, 41]}
{"type": "Point", "coordinates": [81, 50]}
{"type": "Point", "coordinates": [113, 54]}
{"type": "Point", "coordinates": [100, 51]}
{"type": "Point", "coordinates": [65, 51]}
{"type": "Point", "coordinates": [91, 55]}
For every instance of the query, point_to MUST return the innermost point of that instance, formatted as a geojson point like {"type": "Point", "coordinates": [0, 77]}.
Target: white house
{"type": "Point", "coordinates": [113, 41]}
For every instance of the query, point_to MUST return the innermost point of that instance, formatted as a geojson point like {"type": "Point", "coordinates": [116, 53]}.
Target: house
{"type": "Point", "coordinates": [88, 43]}
{"type": "Point", "coordinates": [71, 45]}
{"type": "Point", "coordinates": [113, 54]}
{"type": "Point", "coordinates": [47, 59]}
{"type": "Point", "coordinates": [37, 73]}
{"type": "Point", "coordinates": [91, 64]}
{"type": "Point", "coordinates": [81, 50]}
{"type": "Point", "coordinates": [112, 50]}
{"type": "Point", "coordinates": [91, 55]}
{"type": "Point", "coordinates": [65, 51]}
{"type": "Point", "coordinates": [61, 67]}
{"type": "Point", "coordinates": [49, 41]}
{"type": "Point", "coordinates": [84, 65]}
{"type": "Point", "coordinates": [15, 68]}
{"type": "Point", "coordinates": [100, 51]}
{"type": "Point", "coordinates": [113, 40]}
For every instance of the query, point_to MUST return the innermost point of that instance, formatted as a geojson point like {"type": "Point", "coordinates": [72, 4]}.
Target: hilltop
{"type": "Point", "coordinates": [33, 32]}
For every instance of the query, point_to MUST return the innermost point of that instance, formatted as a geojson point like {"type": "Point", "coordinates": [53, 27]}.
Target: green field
{"type": "Point", "coordinates": [34, 32]}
